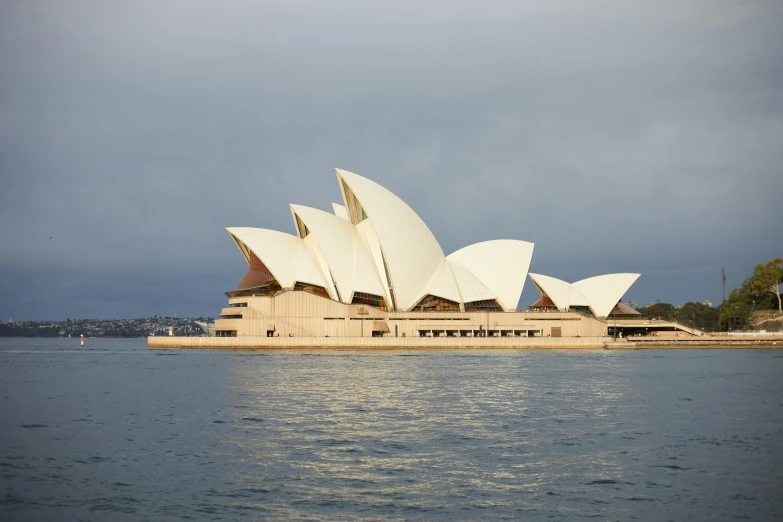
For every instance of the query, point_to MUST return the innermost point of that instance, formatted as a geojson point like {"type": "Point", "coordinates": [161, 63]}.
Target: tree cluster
{"type": "Point", "coordinates": [760, 291]}
{"type": "Point", "coordinates": [697, 315]}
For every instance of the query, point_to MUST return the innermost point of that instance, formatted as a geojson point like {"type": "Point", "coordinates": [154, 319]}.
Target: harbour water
{"type": "Point", "coordinates": [116, 431]}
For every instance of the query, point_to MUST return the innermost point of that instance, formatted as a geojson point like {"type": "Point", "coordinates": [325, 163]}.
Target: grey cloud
{"type": "Point", "coordinates": [618, 136]}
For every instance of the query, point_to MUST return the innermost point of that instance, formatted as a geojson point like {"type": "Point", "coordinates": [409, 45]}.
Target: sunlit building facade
{"type": "Point", "coordinates": [372, 267]}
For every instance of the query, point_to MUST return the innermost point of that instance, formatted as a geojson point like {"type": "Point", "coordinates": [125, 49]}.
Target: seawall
{"type": "Point", "coordinates": [406, 343]}
{"type": "Point", "coordinates": [410, 343]}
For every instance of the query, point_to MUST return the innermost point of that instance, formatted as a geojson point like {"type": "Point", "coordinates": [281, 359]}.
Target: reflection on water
{"type": "Point", "coordinates": [393, 435]}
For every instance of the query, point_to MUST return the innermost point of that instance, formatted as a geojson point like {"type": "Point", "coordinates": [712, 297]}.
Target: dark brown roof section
{"type": "Point", "coordinates": [622, 309]}
{"type": "Point", "coordinates": [544, 302]}
{"type": "Point", "coordinates": [258, 275]}
{"type": "Point", "coordinates": [258, 280]}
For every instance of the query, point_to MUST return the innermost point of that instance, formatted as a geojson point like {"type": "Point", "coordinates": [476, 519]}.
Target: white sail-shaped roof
{"type": "Point", "coordinates": [576, 298]}
{"type": "Point", "coordinates": [307, 271]}
{"type": "Point", "coordinates": [470, 287]}
{"type": "Point", "coordinates": [372, 245]}
{"type": "Point", "coordinates": [334, 238]}
{"type": "Point", "coordinates": [366, 278]}
{"type": "Point", "coordinates": [340, 211]}
{"type": "Point", "coordinates": [444, 285]}
{"type": "Point", "coordinates": [501, 265]}
{"type": "Point", "coordinates": [409, 251]}
{"type": "Point", "coordinates": [376, 244]}
{"type": "Point", "coordinates": [605, 291]}
{"type": "Point", "coordinates": [600, 293]}
{"type": "Point", "coordinates": [316, 254]}
{"type": "Point", "coordinates": [557, 289]}
{"type": "Point", "coordinates": [338, 240]}
{"type": "Point", "coordinates": [285, 255]}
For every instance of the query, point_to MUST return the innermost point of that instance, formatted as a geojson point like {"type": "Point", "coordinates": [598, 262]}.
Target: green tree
{"type": "Point", "coordinates": [768, 278]}
{"type": "Point", "coordinates": [698, 315]}
{"type": "Point", "coordinates": [755, 293]}
{"type": "Point", "coordinates": [663, 311]}
{"type": "Point", "coordinates": [735, 311]}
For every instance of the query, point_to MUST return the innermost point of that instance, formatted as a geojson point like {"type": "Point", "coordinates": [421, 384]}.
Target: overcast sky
{"type": "Point", "coordinates": [617, 135]}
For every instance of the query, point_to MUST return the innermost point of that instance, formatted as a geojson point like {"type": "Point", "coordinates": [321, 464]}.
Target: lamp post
{"type": "Point", "coordinates": [362, 312]}
{"type": "Point", "coordinates": [614, 312]}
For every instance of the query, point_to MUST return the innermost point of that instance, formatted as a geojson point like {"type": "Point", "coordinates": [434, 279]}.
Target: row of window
{"type": "Point", "coordinates": [375, 301]}
{"type": "Point", "coordinates": [481, 333]}
{"type": "Point", "coordinates": [311, 289]}
{"type": "Point", "coordinates": [429, 303]}
{"type": "Point", "coordinates": [483, 306]}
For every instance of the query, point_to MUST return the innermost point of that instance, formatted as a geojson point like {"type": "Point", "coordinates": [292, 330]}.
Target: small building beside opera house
{"type": "Point", "coordinates": [373, 268]}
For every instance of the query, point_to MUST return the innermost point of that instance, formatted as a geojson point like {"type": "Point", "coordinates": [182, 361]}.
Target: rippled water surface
{"type": "Point", "coordinates": [116, 431]}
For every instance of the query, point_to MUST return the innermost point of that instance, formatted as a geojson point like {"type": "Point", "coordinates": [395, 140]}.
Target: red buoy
{"type": "Point", "coordinates": [82, 339]}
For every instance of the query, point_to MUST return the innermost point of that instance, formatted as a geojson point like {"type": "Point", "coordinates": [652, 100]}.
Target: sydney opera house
{"type": "Point", "coordinates": [373, 268]}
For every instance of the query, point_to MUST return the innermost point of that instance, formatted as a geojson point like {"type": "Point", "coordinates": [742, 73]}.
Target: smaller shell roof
{"type": "Point", "coordinates": [283, 254]}
{"type": "Point", "coordinates": [600, 293]}
{"type": "Point", "coordinates": [558, 290]}
{"type": "Point", "coordinates": [605, 291]}
{"type": "Point", "coordinates": [339, 211]}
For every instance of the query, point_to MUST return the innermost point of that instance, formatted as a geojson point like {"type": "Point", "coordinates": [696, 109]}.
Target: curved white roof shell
{"type": "Point", "coordinates": [501, 265]}
{"type": "Point", "coordinates": [605, 291]}
{"type": "Point", "coordinates": [557, 289]}
{"type": "Point", "coordinates": [366, 277]}
{"type": "Point", "coordinates": [445, 285]}
{"type": "Point", "coordinates": [306, 270]}
{"type": "Point", "coordinates": [340, 211]}
{"type": "Point", "coordinates": [285, 255]}
{"type": "Point", "coordinates": [470, 287]}
{"type": "Point", "coordinates": [372, 245]}
{"type": "Point", "coordinates": [576, 298]}
{"type": "Point", "coordinates": [410, 251]}
{"type": "Point", "coordinates": [342, 252]}
{"type": "Point", "coordinates": [600, 293]}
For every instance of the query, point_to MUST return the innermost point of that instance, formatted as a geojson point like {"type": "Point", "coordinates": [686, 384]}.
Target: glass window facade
{"type": "Point", "coordinates": [311, 289]}
{"type": "Point", "coordinates": [483, 306]}
{"type": "Point", "coordinates": [431, 303]}
{"type": "Point", "coordinates": [375, 301]}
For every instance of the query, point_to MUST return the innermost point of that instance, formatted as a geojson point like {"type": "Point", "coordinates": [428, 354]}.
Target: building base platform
{"type": "Point", "coordinates": [379, 343]}
{"type": "Point", "coordinates": [428, 343]}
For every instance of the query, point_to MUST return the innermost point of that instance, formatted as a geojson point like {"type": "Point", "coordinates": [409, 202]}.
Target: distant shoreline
{"type": "Point", "coordinates": [71, 338]}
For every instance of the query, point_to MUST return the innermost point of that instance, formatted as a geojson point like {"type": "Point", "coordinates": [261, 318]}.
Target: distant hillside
{"type": "Point", "coordinates": [697, 315]}
{"type": "Point", "coordinates": [103, 327]}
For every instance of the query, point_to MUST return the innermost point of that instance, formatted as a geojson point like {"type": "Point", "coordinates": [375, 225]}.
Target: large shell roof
{"type": "Point", "coordinates": [376, 244]}
{"type": "Point", "coordinates": [411, 252]}
{"type": "Point", "coordinates": [345, 261]}
{"type": "Point", "coordinates": [501, 265]}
